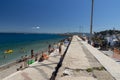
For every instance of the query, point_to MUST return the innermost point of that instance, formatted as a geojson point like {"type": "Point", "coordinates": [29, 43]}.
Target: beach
{"type": "Point", "coordinates": [10, 66]}
{"type": "Point", "coordinates": [22, 44]}
{"type": "Point", "coordinates": [49, 64]}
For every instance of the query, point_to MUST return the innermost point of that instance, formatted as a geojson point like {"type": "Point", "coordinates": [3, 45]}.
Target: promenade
{"type": "Point", "coordinates": [81, 62]}
{"type": "Point", "coordinates": [84, 62]}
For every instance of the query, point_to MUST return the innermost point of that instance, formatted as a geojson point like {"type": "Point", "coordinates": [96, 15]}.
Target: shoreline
{"type": "Point", "coordinates": [15, 61]}
{"type": "Point", "coordinates": [23, 46]}
{"type": "Point", "coordinates": [6, 66]}
{"type": "Point", "coordinates": [12, 67]}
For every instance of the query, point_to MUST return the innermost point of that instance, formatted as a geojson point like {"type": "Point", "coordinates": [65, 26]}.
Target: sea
{"type": "Point", "coordinates": [21, 44]}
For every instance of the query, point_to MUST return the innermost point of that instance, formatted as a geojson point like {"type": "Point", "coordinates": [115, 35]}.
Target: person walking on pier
{"type": "Point", "coordinates": [60, 48]}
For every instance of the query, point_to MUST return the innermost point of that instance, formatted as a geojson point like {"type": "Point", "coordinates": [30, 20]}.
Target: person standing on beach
{"type": "Point", "coordinates": [32, 54]}
{"type": "Point", "coordinates": [49, 49]}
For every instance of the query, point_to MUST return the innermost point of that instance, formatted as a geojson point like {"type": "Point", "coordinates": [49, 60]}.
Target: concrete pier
{"type": "Point", "coordinates": [84, 62]}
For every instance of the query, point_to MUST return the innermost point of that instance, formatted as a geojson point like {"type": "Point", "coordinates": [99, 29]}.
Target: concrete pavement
{"type": "Point", "coordinates": [110, 65]}
{"type": "Point", "coordinates": [80, 64]}
{"type": "Point", "coordinates": [74, 60]}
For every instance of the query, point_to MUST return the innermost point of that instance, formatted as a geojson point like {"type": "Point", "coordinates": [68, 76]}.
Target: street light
{"type": "Point", "coordinates": [91, 20]}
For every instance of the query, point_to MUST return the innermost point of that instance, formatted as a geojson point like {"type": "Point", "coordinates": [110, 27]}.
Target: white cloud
{"type": "Point", "coordinates": [36, 27]}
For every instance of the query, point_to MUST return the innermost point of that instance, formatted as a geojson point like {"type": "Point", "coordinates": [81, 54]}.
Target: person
{"type": "Point", "coordinates": [60, 48]}
{"type": "Point", "coordinates": [19, 67]}
{"type": "Point", "coordinates": [32, 53]}
{"type": "Point", "coordinates": [21, 60]}
{"type": "Point", "coordinates": [43, 57]}
{"type": "Point", "coordinates": [49, 49]}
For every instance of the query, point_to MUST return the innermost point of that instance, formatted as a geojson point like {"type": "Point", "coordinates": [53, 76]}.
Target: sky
{"type": "Point", "coordinates": [58, 16]}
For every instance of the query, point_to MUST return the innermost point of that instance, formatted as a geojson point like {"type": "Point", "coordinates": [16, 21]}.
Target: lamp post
{"type": "Point", "coordinates": [91, 19]}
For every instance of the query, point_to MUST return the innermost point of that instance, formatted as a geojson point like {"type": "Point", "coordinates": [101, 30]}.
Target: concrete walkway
{"type": "Point", "coordinates": [81, 61]}
{"type": "Point", "coordinates": [110, 65]}
{"type": "Point", "coordinates": [75, 59]}
{"type": "Point", "coordinates": [75, 56]}
{"type": "Point", "coordinates": [38, 70]}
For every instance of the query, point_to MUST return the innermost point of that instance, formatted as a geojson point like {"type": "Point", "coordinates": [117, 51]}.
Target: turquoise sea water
{"type": "Point", "coordinates": [21, 44]}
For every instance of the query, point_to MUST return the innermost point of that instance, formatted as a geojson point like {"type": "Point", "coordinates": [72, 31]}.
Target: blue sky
{"type": "Point", "coordinates": [58, 16]}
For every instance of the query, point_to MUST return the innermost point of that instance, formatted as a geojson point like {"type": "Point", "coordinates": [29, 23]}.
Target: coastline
{"type": "Point", "coordinates": [37, 46]}
{"type": "Point", "coordinates": [21, 44]}
{"type": "Point", "coordinates": [11, 67]}
{"type": "Point", "coordinates": [5, 66]}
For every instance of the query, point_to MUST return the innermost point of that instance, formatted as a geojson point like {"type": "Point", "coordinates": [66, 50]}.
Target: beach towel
{"type": "Point", "coordinates": [45, 56]}
{"type": "Point", "coordinates": [31, 61]}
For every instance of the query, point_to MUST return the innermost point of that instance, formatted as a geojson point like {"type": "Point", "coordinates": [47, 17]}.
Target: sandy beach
{"type": "Point", "coordinates": [10, 68]}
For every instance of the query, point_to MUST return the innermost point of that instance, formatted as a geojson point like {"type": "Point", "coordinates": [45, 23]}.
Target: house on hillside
{"type": "Point", "coordinates": [112, 40]}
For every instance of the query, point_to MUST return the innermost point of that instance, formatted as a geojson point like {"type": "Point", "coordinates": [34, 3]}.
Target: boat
{"type": "Point", "coordinates": [8, 51]}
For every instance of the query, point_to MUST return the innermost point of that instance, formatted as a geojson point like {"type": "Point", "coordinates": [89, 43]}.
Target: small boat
{"type": "Point", "coordinates": [8, 51]}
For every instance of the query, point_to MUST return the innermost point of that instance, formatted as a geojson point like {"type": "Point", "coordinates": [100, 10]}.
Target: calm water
{"type": "Point", "coordinates": [21, 44]}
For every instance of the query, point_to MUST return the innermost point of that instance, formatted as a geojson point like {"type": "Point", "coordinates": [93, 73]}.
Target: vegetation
{"type": "Point", "coordinates": [99, 38]}
{"type": "Point", "coordinates": [110, 32]}
{"type": "Point", "coordinates": [99, 68]}
{"type": "Point", "coordinates": [89, 69]}
{"type": "Point", "coordinates": [95, 68]}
